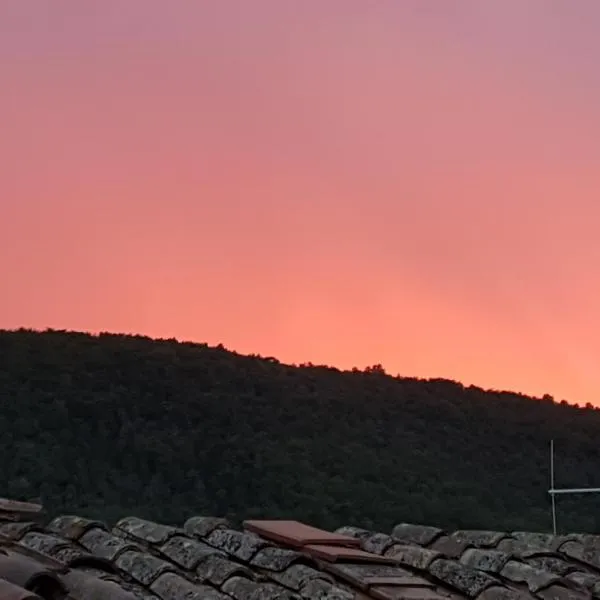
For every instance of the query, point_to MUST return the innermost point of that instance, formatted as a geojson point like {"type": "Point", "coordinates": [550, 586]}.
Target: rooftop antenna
{"type": "Point", "coordinates": [553, 491]}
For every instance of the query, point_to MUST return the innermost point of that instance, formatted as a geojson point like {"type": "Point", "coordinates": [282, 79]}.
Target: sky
{"type": "Point", "coordinates": [413, 183]}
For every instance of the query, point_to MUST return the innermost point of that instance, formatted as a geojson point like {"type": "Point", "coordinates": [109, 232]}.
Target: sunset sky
{"type": "Point", "coordinates": [414, 183]}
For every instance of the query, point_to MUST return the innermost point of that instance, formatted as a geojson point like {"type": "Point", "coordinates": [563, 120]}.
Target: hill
{"type": "Point", "coordinates": [110, 425]}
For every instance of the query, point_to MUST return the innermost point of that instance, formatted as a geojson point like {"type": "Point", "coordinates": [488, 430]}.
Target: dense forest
{"type": "Point", "coordinates": [113, 425]}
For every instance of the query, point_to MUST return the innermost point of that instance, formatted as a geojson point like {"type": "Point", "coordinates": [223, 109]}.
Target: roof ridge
{"type": "Point", "coordinates": [209, 557]}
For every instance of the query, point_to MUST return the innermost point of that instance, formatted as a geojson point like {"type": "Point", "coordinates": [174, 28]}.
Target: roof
{"type": "Point", "coordinates": [207, 558]}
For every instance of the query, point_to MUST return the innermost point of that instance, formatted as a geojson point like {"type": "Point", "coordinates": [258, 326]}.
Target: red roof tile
{"type": "Point", "coordinates": [340, 553]}
{"type": "Point", "coordinates": [297, 535]}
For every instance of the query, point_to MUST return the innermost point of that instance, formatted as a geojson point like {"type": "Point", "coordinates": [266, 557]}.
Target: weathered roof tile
{"type": "Point", "coordinates": [542, 541]}
{"type": "Point", "coordinates": [449, 546]}
{"type": "Point", "coordinates": [421, 535]}
{"type": "Point", "coordinates": [10, 591]}
{"type": "Point", "coordinates": [299, 576]}
{"type": "Point", "coordinates": [240, 544]}
{"type": "Point", "coordinates": [551, 563]}
{"type": "Point", "coordinates": [496, 592]}
{"type": "Point", "coordinates": [586, 553]}
{"type": "Point", "coordinates": [143, 567]}
{"type": "Point", "coordinates": [370, 541]}
{"type": "Point", "coordinates": [319, 589]}
{"type": "Point", "coordinates": [217, 570]}
{"type": "Point", "coordinates": [186, 552]}
{"type": "Point", "coordinates": [171, 586]}
{"type": "Point", "coordinates": [535, 579]}
{"type": "Point", "coordinates": [22, 569]}
{"type": "Point", "coordinates": [62, 550]}
{"type": "Point", "coordinates": [490, 561]}
{"type": "Point", "coordinates": [412, 556]}
{"type": "Point", "coordinates": [73, 527]}
{"type": "Point", "coordinates": [104, 544]}
{"type": "Point", "coordinates": [583, 579]}
{"type": "Point", "coordinates": [355, 532]}
{"type": "Point", "coordinates": [83, 585]}
{"type": "Point", "coordinates": [389, 592]}
{"type": "Point", "coordinates": [16, 530]}
{"type": "Point", "coordinates": [145, 531]}
{"type": "Point", "coordinates": [378, 543]}
{"type": "Point", "coordinates": [200, 527]}
{"type": "Point", "coordinates": [42, 542]}
{"type": "Point", "coordinates": [241, 588]}
{"type": "Point", "coordinates": [470, 582]}
{"type": "Point", "coordinates": [276, 559]}
{"type": "Point", "coordinates": [557, 592]}
{"type": "Point", "coordinates": [209, 558]}
{"type": "Point", "coordinates": [479, 539]}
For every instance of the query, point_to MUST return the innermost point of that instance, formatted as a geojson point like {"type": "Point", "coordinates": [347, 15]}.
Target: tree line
{"type": "Point", "coordinates": [112, 425]}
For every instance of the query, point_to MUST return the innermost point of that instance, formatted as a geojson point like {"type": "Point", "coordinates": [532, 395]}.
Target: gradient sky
{"type": "Point", "coordinates": [408, 182]}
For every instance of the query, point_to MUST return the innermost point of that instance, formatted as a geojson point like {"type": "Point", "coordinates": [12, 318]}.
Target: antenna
{"type": "Point", "coordinates": [553, 491]}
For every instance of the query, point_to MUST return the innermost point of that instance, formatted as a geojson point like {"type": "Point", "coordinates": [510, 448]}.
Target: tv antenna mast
{"type": "Point", "coordinates": [554, 491]}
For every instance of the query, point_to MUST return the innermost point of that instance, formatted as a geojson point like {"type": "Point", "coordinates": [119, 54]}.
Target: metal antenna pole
{"type": "Point", "coordinates": [552, 495]}
{"type": "Point", "coordinates": [553, 491]}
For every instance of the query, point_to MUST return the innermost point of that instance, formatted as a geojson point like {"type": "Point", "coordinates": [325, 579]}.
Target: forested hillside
{"type": "Point", "coordinates": [112, 425]}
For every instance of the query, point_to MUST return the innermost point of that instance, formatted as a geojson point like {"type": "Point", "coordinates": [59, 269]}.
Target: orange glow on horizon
{"type": "Point", "coordinates": [340, 182]}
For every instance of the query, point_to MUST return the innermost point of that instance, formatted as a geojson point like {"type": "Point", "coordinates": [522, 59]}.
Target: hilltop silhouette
{"type": "Point", "coordinates": [112, 424]}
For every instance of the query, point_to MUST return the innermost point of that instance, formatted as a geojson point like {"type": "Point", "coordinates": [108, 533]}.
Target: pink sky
{"type": "Point", "coordinates": [414, 183]}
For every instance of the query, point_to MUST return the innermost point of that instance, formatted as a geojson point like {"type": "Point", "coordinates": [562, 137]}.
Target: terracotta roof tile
{"type": "Point", "coordinates": [341, 553]}
{"type": "Point", "coordinates": [15, 531]}
{"type": "Point", "coordinates": [295, 534]}
{"type": "Point", "coordinates": [365, 576]}
{"type": "Point", "coordinates": [74, 558]}
{"type": "Point", "coordinates": [14, 510]}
